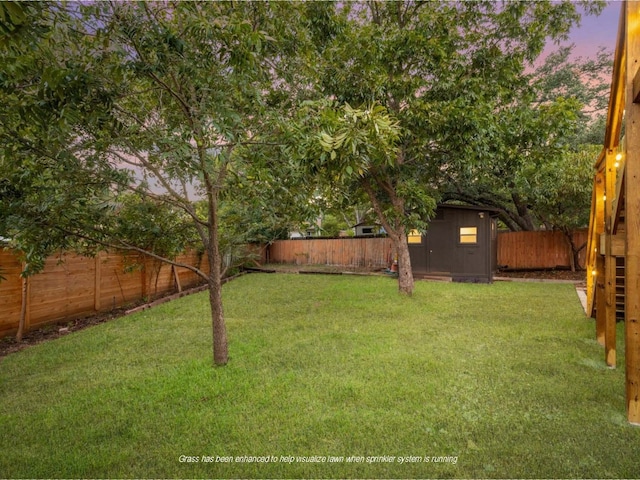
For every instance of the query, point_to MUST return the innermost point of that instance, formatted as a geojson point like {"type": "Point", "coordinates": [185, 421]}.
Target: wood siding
{"type": "Point", "coordinates": [73, 286]}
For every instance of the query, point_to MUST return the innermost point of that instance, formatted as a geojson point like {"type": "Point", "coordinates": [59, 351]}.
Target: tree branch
{"type": "Point", "coordinates": [122, 245]}
{"type": "Point", "coordinates": [366, 186]}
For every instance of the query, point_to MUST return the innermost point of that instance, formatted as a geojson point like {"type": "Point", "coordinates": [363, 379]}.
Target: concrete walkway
{"type": "Point", "coordinates": [582, 295]}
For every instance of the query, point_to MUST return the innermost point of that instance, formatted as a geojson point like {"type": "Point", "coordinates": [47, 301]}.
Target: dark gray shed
{"type": "Point", "coordinates": [460, 243]}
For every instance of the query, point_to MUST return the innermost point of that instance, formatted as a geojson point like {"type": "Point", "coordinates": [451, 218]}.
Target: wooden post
{"type": "Point", "coordinates": [600, 300]}
{"type": "Point", "coordinates": [25, 311]}
{"type": "Point", "coordinates": [609, 262]}
{"type": "Point", "coordinates": [176, 278]}
{"type": "Point", "coordinates": [592, 251]}
{"type": "Point", "coordinates": [97, 286]}
{"type": "Point", "coordinates": [144, 280]}
{"type": "Point", "coordinates": [632, 219]}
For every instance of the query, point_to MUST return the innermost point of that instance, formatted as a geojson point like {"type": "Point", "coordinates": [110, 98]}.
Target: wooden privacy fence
{"type": "Point", "coordinates": [516, 250]}
{"type": "Point", "coordinates": [366, 252]}
{"type": "Point", "coordinates": [543, 249]}
{"type": "Point", "coordinates": [79, 286]}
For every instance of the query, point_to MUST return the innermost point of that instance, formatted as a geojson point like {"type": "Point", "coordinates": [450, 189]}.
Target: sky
{"type": "Point", "coordinates": [595, 32]}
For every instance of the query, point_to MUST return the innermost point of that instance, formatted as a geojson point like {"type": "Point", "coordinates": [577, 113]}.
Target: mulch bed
{"type": "Point", "coordinates": [545, 275]}
{"type": "Point", "coordinates": [9, 344]}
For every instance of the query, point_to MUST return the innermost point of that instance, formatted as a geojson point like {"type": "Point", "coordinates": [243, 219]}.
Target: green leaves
{"type": "Point", "coordinates": [563, 188]}
{"type": "Point", "coordinates": [207, 99]}
{"type": "Point", "coordinates": [12, 16]}
{"type": "Point", "coordinates": [358, 140]}
{"type": "Point", "coordinates": [529, 141]}
{"type": "Point", "coordinates": [153, 226]}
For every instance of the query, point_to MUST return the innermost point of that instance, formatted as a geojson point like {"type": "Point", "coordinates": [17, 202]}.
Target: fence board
{"type": "Point", "coordinates": [546, 249]}
{"type": "Point", "coordinates": [354, 252]}
{"type": "Point", "coordinates": [10, 291]}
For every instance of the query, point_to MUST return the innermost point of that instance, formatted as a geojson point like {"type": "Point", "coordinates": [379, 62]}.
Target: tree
{"type": "Point", "coordinates": [192, 109]}
{"type": "Point", "coordinates": [443, 73]}
{"type": "Point", "coordinates": [565, 189]}
{"type": "Point", "coordinates": [556, 118]}
{"type": "Point", "coordinates": [174, 101]}
{"type": "Point", "coordinates": [42, 181]}
{"type": "Point", "coordinates": [525, 140]}
{"type": "Point", "coordinates": [355, 150]}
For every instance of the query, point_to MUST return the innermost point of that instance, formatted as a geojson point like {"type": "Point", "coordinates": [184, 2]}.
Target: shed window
{"type": "Point", "coordinates": [367, 230]}
{"type": "Point", "coordinates": [468, 235]}
{"type": "Point", "coordinates": [414, 237]}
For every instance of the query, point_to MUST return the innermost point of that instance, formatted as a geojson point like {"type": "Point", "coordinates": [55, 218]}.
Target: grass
{"type": "Point", "coordinates": [501, 380]}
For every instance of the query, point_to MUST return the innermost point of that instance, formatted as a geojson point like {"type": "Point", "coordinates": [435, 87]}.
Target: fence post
{"type": "Point", "coordinates": [25, 311]}
{"type": "Point", "coordinates": [144, 280]}
{"type": "Point", "coordinates": [97, 287]}
{"type": "Point", "coordinates": [176, 277]}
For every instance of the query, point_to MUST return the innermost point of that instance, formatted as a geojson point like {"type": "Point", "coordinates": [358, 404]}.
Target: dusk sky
{"type": "Point", "coordinates": [595, 32]}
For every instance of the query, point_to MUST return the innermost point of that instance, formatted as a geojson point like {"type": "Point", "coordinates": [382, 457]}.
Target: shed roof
{"type": "Point", "coordinates": [491, 210]}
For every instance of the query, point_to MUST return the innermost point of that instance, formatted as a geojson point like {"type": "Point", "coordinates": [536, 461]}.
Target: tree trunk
{"type": "Point", "coordinates": [396, 231]}
{"type": "Point", "coordinates": [405, 274]}
{"type": "Point", "coordinates": [576, 255]}
{"type": "Point", "coordinates": [524, 215]}
{"type": "Point", "coordinates": [574, 258]}
{"type": "Point", "coordinates": [508, 221]}
{"type": "Point", "coordinates": [220, 346]}
{"type": "Point", "coordinates": [219, 329]}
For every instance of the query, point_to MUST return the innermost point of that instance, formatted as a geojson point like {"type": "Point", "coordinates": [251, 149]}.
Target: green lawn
{"type": "Point", "coordinates": [501, 380]}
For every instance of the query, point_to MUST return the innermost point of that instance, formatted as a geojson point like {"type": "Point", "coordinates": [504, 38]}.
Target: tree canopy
{"type": "Point", "coordinates": [452, 79]}
{"type": "Point", "coordinates": [175, 103]}
{"type": "Point", "coordinates": [155, 126]}
{"type": "Point", "coordinates": [552, 126]}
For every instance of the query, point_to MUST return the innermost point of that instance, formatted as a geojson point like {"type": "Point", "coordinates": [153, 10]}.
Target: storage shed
{"type": "Point", "coordinates": [460, 243]}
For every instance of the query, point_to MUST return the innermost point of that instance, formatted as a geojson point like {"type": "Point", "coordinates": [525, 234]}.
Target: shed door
{"type": "Point", "coordinates": [439, 243]}
{"type": "Point", "coordinates": [473, 249]}
{"type": "Point", "coordinates": [417, 251]}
